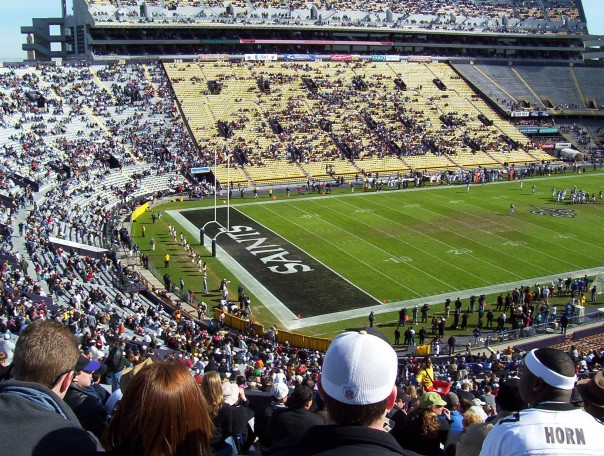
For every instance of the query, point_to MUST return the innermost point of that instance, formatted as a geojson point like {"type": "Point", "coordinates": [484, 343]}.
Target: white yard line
{"type": "Point", "coordinates": [524, 223]}
{"type": "Point", "coordinates": [356, 258]}
{"type": "Point", "coordinates": [287, 318]}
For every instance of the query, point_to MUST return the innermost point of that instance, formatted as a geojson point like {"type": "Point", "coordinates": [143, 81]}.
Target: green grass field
{"type": "Point", "coordinates": [410, 244]}
{"type": "Point", "coordinates": [404, 245]}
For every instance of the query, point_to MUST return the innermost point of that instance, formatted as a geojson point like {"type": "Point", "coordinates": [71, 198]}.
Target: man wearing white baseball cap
{"type": "Point", "coordinates": [358, 386]}
{"type": "Point", "coordinates": [551, 425]}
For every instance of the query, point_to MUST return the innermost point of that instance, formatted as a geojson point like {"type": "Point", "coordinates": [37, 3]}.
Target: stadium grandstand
{"type": "Point", "coordinates": [147, 99]}
{"type": "Point", "coordinates": [512, 29]}
{"type": "Point", "coordinates": [124, 105]}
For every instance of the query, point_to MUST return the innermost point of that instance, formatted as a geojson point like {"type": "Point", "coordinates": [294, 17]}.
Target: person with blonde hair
{"type": "Point", "coordinates": [474, 433]}
{"type": "Point", "coordinates": [162, 413]}
{"type": "Point", "coordinates": [220, 412]}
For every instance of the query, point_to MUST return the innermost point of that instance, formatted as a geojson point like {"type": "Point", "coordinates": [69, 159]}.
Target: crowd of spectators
{"type": "Point", "coordinates": [117, 335]}
{"type": "Point", "coordinates": [523, 16]}
{"type": "Point", "coordinates": [337, 119]}
{"type": "Point", "coordinates": [116, 332]}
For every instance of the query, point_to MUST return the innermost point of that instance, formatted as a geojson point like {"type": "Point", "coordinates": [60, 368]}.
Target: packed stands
{"type": "Point", "coordinates": [501, 16]}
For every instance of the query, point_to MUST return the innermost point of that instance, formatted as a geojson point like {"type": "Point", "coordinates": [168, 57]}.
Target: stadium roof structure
{"type": "Point", "coordinates": [508, 29]}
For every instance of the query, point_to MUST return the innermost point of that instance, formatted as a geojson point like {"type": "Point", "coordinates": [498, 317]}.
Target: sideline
{"type": "Point", "coordinates": [290, 321]}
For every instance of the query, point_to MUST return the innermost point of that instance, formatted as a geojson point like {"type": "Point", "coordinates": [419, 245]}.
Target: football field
{"type": "Point", "coordinates": [402, 245]}
{"type": "Point", "coordinates": [412, 246]}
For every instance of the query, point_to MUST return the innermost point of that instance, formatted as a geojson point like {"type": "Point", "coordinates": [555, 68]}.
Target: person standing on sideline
{"type": "Point", "coordinates": [167, 260]}
{"type": "Point", "coordinates": [533, 189]}
{"type": "Point", "coordinates": [152, 243]}
{"type": "Point", "coordinates": [551, 425]}
{"type": "Point", "coordinates": [143, 230]}
{"type": "Point", "coordinates": [422, 335]}
{"type": "Point", "coordinates": [563, 323]}
{"type": "Point", "coordinates": [512, 209]}
{"type": "Point", "coordinates": [451, 344]}
{"type": "Point", "coordinates": [371, 319]}
{"type": "Point", "coordinates": [397, 336]}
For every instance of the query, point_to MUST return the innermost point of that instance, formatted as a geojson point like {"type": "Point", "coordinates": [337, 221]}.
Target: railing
{"type": "Point", "coordinates": [550, 328]}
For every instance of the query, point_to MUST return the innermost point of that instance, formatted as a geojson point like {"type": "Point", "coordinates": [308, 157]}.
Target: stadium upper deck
{"type": "Point", "coordinates": [510, 29]}
{"type": "Point", "coordinates": [497, 15]}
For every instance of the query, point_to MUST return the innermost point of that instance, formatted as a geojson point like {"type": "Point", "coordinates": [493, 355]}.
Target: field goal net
{"type": "Point", "coordinates": [599, 283]}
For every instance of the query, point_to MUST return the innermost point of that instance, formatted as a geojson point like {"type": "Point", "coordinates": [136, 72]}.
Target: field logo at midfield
{"type": "Point", "coordinates": [273, 253]}
{"type": "Point", "coordinates": [557, 212]}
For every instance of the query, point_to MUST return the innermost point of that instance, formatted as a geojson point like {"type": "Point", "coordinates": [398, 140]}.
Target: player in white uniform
{"type": "Point", "coordinates": [551, 425]}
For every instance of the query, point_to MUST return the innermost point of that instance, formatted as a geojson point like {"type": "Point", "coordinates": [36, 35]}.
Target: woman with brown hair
{"type": "Point", "coordinates": [162, 413]}
{"type": "Point", "coordinates": [220, 412]}
{"type": "Point", "coordinates": [422, 431]}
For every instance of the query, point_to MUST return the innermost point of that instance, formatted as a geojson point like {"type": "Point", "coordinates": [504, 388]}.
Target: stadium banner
{"type": "Point", "coordinates": [319, 42]}
{"type": "Point", "coordinates": [520, 113]}
{"type": "Point", "coordinates": [260, 57]}
{"type": "Point", "coordinates": [561, 145]}
{"type": "Point", "coordinates": [212, 57]}
{"type": "Point", "coordinates": [420, 58]}
{"type": "Point", "coordinates": [378, 58]}
{"type": "Point", "coordinates": [393, 58]}
{"type": "Point", "coordinates": [340, 57]}
{"type": "Point", "coordinates": [548, 131]}
{"type": "Point", "coordinates": [139, 210]}
{"type": "Point", "coordinates": [540, 114]}
{"type": "Point", "coordinates": [299, 57]}
{"type": "Point", "coordinates": [201, 170]}
{"type": "Point", "coordinates": [547, 146]}
{"type": "Point", "coordinates": [529, 131]}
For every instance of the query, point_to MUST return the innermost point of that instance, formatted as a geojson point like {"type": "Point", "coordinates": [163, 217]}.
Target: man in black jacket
{"type": "Point", "coordinates": [34, 419]}
{"type": "Point", "coordinates": [87, 407]}
{"type": "Point", "coordinates": [358, 386]}
{"type": "Point", "coordinates": [116, 363]}
{"type": "Point", "coordinates": [297, 419]}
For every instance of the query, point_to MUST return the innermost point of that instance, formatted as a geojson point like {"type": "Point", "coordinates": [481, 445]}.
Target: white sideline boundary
{"type": "Point", "coordinates": [290, 321]}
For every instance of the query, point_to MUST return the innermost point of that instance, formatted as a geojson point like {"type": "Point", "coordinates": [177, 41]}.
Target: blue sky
{"type": "Point", "coordinates": [15, 14]}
